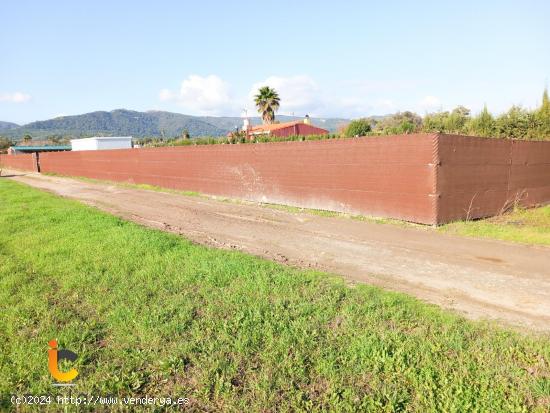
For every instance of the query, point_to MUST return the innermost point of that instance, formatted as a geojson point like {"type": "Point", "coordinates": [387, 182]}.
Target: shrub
{"type": "Point", "coordinates": [482, 124]}
{"type": "Point", "coordinates": [358, 127]}
{"type": "Point", "coordinates": [517, 123]}
{"type": "Point", "coordinates": [398, 123]}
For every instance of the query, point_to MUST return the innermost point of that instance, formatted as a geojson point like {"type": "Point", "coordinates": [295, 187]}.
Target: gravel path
{"type": "Point", "coordinates": [478, 278]}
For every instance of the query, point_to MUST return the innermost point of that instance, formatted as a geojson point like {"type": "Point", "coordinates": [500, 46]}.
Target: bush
{"type": "Point", "coordinates": [398, 123]}
{"type": "Point", "coordinates": [5, 143]}
{"type": "Point", "coordinates": [358, 127]}
{"type": "Point", "coordinates": [519, 123]}
{"type": "Point", "coordinates": [482, 124]}
{"type": "Point", "coordinates": [516, 123]}
{"type": "Point", "coordinates": [449, 122]}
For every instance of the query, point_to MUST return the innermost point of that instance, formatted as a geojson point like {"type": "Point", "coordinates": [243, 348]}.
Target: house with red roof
{"type": "Point", "coordinates": [298, 127]}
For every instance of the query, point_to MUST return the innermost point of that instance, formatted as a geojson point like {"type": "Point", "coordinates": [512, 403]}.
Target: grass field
{"type": "Point", "coordinates": [150, 313]}
{"type": "Point", "coordinates": [527, 226]}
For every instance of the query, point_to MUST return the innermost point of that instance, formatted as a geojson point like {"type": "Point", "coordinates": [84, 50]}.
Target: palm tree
{"type": "Point", "coordinates": [267, 101]}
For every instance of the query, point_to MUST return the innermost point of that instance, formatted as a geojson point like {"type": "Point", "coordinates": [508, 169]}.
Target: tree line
{"type": "Point", "coordinates": [516, 123]}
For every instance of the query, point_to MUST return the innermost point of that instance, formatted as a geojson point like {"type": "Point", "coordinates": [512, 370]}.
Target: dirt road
{"type": "Point", "coordinates": [480, 279]}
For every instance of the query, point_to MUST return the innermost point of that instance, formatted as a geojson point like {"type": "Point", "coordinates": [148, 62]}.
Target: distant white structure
{"type": "Point", "coordinates": [246, 121]}
{"type": "Point", "coordinates": [101, 142]}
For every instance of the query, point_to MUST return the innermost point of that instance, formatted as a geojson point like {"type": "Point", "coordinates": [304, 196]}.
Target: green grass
{"type": "Point", "coordinates": [150, 313]}
{"type": "Point", "coordinates": [524, 226]}
{"type": "Point", "coordinates": [527, 226]}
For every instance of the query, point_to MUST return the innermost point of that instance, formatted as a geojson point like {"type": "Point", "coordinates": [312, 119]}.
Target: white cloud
{"type": "Point", "coordinates": [299, 94]}
{"type": "Point", "coordinates": [208, 95]}
{"type": "Point", "coordinates": [384, 106]}
{"type": "Point", "coordinates": [166, 94]}
{"type": "Point", "coordinates": [351, 106]}
{"type": "Point", "coordinates": [15, 97]}
{"type": "Point", "coordinates": [366, 86]}
{"type": "Point", "coordinates": [430, 103]}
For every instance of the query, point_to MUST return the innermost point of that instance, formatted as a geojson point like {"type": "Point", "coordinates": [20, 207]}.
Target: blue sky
{"type": "Point", "coordinates": [326, 58]}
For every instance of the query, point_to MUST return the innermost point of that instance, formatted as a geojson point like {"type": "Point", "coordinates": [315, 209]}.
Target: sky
{"type": "Point", "coordinates": [325, 58]}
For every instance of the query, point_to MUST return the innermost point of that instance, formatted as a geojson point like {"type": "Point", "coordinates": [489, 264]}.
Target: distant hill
{"type": "Point", "coordinates": [7, 126]}
{"type": "Point", "coordinates": [119, 122]}
{"type": "Point", "coordinates": [142, 124]}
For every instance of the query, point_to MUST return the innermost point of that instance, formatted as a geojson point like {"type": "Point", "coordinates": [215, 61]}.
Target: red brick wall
{"type": "Point", "coordinates": [389, 176]}
{"type": "Point", "coordinates": [480, 177]}
{"type": "Point", "coordinates": [422, 178]}
{"type": "Point", "coordinates": [22, 162]}
{"type": "Point", "coordinates": [530, 172]}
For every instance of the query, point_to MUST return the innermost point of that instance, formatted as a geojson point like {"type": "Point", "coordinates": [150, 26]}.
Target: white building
{"type": "Point", "coordinates": [99, 143]}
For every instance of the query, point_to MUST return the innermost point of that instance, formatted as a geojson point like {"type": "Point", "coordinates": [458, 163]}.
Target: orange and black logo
{"type": "Point", "coordinates": [54, 357]}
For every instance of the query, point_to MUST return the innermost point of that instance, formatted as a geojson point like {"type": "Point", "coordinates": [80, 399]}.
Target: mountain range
{"type": "Point", "coordinates": [123, 122]}
{"type": "Point", "coordinates": [4, 126]}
